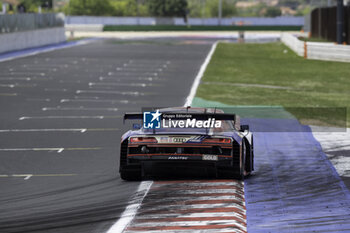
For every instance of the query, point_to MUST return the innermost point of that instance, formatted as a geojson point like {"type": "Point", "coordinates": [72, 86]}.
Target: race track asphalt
{"type": "Point", "coordinates": [60, 128]}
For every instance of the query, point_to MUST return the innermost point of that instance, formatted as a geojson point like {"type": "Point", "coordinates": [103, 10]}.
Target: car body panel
{"type": "Point", "coordinates": [191, 146]}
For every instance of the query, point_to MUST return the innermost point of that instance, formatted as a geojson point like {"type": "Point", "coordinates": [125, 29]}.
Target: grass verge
{"type": "Point", "coordinates": [198, 28]}
{"type": "Point", "coordinates": [75, 38]}
{"type": "Point", "coordinates": [316, 92]}
{"type": "Point", "coordinates": [313, 39]}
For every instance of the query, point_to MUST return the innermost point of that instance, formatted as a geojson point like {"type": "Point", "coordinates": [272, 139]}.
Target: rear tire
{"type": "Point", "coordinates": [243, 165]}
{"type": "Point", "coordinates": [229, 173]}
{"type": "Point", "coordinates": [130, 175]}
{"type": "Point", "coordinates": [248, 158]}
{"type": "Point", "coordinates": [226, 174]}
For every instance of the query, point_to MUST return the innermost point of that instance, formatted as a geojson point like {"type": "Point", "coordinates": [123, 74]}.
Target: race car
{"type": "Point", "coordinates": [213, 141]}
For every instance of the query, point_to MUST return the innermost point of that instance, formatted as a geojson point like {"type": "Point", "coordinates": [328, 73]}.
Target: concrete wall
{"type": "Point", "coordinates": [29, 39]}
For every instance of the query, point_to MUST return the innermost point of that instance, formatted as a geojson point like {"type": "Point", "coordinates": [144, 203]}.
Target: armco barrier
{"type": "Point", "coordinates": [293, 43]}
{"type": "Point", "coordinates": [328, 51]}
{"type": "Point", "coordinates": [250, 21]}
{"type": "Point", "coordinates": [317, 51]}
{"type": "Point", "coordinates": [84, 27]}
{"type": "Point", "coordinates": [29, 39]}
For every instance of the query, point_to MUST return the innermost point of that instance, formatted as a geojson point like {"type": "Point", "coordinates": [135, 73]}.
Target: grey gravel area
{"type": "Point", "coordinates": [336, 144]}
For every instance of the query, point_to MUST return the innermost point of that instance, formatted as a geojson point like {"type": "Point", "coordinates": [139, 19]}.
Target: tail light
{"type": "Point", "coordinates": [143, 140]}
{"type": "Point", "coordinates": [217, 140]}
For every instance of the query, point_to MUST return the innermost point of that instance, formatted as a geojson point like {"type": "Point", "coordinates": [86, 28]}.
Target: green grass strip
{"type": "Point", "coordinates": [316, 92]}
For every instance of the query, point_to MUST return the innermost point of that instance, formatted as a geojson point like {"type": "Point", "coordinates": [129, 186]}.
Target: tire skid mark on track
{"type": "Point", "coordinates": [172, 206]}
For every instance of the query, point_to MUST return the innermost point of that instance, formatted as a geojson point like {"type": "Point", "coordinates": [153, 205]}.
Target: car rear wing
{"type": "Point", "coordinates": [198, 116]}
{"type": "Point", "coordinates": [133, 116]}
{"type": "Point", "coordinates": [185, 115]}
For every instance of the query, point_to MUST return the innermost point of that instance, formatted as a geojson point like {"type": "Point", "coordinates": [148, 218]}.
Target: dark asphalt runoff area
{"type": "Point", "coordinates": [61, 123]}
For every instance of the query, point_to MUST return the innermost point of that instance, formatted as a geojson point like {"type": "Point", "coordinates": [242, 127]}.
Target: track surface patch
{"type": "Point", "coordinates": [295, 188]}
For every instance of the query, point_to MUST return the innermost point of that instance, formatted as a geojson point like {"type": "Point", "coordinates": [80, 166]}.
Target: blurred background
{"type": "Point", "coordinates": [192, 8]}
{"type": "Point", "coordinates": [176, 15]}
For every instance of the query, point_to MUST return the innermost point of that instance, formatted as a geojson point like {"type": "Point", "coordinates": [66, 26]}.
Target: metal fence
{"type": "Point", "coordinates": [318, 51]}
{"type": "Point", "coordinates": [25, 22]}
{"type": "Point", "coordinates": [324, 23]}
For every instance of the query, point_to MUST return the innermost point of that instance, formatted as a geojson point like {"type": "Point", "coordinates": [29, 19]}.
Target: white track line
{"type": "Point", "coordinates": [121, 84]}
{"type": "Point", "coordinates": [21, 73]}
{"type": "Point", "coordinates": [200, 75]}
{"type": "Point", "coordinates": [11, 78]}
{"type": "Point", "coordinates": [96, 101]}
{"type": "Point", "coordinates": [58, 149]}
{"type": "Point", "coordinates": [131, 210]}
{"type": "Point", "coordinates": [8, 85]}
{"type": "Point", "coordinates": [82, 130]}
{"type": "Point", "coordinates": [8, 94]}
{"type": "Point", "coordinates": [38, 99]}
{"type": "Point", "coordinates": [56, 89]}
{"type": "Point", "coordinates": [28, 176]}
{"type": "Point", "coordinates": [61, 117]}
{"type": "Point", "coordinates": [138, 77]}
{"type": "Point", "coordinates": [67, 117]}
{"type": "Point", "coordinates": [133, 93]}
{"type": "Point", "coordinates": [59, 108]}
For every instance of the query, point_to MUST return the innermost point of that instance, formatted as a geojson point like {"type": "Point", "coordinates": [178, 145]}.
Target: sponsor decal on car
{"type": "Point", "coordinates": [179, 139]}
{"type": "Point", "coordinates": [177, 158]}
{"type": "Point", "coordinates": [210, 157]}
{"type": "Point", "coordinates": [156, 120]}
{"type": "Point", "coordinates": [191, 123]}
{"type": "Point", "coordinates": [151, 120]}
